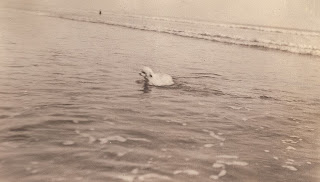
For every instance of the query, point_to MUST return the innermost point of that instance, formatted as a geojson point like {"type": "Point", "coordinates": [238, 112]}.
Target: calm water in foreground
{"type": "Point", "coordinates": [73, 107]}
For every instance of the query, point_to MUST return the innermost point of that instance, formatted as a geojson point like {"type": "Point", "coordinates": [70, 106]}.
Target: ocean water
{"type": "Point", "coordinates": [245, 105]}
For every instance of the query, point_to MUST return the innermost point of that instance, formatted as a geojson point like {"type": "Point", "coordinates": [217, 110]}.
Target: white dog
{"type": "Point", "coordinates": [156, 79]}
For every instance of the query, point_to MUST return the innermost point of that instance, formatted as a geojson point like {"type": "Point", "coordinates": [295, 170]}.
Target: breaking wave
{"type": "Point", "coordinates": [236, 26]}
{"type": "Point", "coordinates": [255, 42]}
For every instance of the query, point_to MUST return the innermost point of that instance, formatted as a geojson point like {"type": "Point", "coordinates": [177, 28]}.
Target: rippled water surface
{"type": "Point", "coordinates": [74, 108]}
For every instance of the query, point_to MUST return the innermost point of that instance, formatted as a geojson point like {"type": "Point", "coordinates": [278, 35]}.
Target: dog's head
{"type": "Point", "coordinates": [147, 73]}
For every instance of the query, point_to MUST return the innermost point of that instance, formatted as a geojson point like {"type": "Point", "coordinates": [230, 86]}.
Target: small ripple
{"type": "Point", "coordinates": [5, 108]}
{"type": "Point", "coordinates": [18, 137]}
{"type": "Point", "coordinates": [4, 116]}
{"type": "Point", "coordinates": [68, 142]}
{"type": "Point", "coordinates": [202, 73]}
{"type": "Point", "coordinates": [112, 138]}
{"type": "Point", "coordinates": [153, 177]}
{"type": "Point", "coordinates": [15, 66]}
{"type": "Point", "coordinates": [264, 97]}
{"type": "Point", "coordinates": [190, 172]}
{"type": "Point", "coordinates": [291, 168]}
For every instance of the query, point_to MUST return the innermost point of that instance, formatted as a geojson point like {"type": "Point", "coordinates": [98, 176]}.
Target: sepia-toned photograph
{"type": "Point", "coordinates": [159, 90]}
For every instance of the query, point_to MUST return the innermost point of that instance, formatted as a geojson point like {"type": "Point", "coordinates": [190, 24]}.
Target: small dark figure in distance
{"type": "Point", "coordinates": [100, 12]}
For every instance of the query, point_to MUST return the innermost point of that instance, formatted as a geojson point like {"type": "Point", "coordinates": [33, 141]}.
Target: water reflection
{"type": "Point", "coordinates": [146, 87]}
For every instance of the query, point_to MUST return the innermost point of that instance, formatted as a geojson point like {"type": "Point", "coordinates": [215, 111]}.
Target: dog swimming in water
{"type": "Point", "coordinates": [156, 79]}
